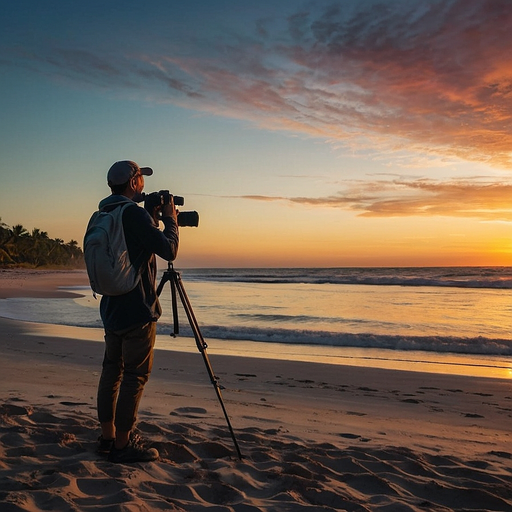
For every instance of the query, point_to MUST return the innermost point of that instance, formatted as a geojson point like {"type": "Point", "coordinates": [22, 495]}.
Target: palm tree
{"type": "Point", "coordinates": [18, 231]}
{"type": "Point", "coordinates": [17, 246]}
{"type": "Point", "coordinates": [38, 253]}
{"type": "Point", "coordinates": [17, 236]}
{"type": "Point", "coordinates": [75, 253]}
{"type": "Point", "coordinates": [5, 258]}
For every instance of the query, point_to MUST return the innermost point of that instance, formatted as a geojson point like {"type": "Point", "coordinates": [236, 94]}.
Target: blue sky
{"type": "Point", "coordinates": [305, 133]}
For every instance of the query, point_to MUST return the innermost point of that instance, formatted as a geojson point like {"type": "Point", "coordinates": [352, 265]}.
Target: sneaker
{"type": "Point", "coordinates": [104, 445]}
{"type": "Point", "coordinates": [134, 451]}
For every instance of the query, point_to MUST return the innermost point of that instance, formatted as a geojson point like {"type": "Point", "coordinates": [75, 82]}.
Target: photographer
{"type": "Point", "coordinates": [130, 319]}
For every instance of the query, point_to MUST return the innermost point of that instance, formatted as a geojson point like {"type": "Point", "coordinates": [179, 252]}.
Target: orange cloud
{"type": "Point", "coordinates": [486, 201]}
{"type": "Point", "coordinates": [431, 78]}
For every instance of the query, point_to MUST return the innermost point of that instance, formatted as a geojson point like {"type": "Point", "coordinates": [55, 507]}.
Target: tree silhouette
{"type": "Point", "coordinates": [5, 258]}
{"type": "Point", "coordinates": [19, 247]}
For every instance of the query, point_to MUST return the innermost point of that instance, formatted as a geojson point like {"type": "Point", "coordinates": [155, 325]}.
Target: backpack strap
{"type": "Point", "coordinates": [124, 203]}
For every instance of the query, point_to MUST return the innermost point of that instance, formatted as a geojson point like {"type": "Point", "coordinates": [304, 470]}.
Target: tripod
{"type": "Point", "coordinates": [174, 278]}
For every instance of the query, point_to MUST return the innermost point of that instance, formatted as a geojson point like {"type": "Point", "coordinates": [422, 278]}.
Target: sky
{"type": "Point", "coordinates": [305, 133]}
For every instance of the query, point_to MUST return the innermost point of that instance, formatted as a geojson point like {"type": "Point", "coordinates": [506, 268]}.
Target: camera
{"type": "Point", "coordinates": [155, 199]}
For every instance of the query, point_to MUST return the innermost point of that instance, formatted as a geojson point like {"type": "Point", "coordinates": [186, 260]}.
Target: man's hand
{"type": "Point", "coordinates": [169, 210]}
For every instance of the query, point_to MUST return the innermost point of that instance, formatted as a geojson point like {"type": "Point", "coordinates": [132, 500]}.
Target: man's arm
{"type": "Point", "coordinates": [140, 229]}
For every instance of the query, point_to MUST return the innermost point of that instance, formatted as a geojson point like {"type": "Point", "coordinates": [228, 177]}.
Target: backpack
{"type": "Point", "coordinates": [106, 255]}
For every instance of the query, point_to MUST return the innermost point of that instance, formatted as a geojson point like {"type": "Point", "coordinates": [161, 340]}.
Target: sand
{"type": "Point", "coordinates": [313, 436]}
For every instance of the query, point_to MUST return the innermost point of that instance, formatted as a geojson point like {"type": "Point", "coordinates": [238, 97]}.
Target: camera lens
{"type": "Point", "coordinates": [190, 219]}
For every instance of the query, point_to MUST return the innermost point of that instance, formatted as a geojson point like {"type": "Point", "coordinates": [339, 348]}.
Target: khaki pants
{"type": "Point", "coordinates": [127, 365]}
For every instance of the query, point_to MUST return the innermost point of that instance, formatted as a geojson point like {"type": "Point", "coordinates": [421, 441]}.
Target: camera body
{"type": "Point", "coordinates": [156, 199]}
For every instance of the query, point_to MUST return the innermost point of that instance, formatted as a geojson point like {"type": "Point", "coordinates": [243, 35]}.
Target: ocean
{"type": "Point", "coordinates": [439, 320]}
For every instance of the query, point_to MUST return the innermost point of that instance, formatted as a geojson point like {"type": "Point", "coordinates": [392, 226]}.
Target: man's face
{"type": "Point", "coordinates": [140, 183]}
{"type": "Point", "coordinates": [136, 186]}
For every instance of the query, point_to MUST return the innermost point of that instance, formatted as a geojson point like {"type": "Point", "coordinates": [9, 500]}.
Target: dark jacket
{"type": "Point", "coordinates": [144, 239]}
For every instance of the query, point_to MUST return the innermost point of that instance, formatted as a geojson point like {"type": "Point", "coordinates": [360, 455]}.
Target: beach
{"type": "Point", "coordinates": [313, 436]}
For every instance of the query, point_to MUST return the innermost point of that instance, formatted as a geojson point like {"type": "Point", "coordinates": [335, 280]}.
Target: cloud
{"type": "Point", "coordinates": [432, 78]}
{"type": "Point", "coordinates": [422, 197]}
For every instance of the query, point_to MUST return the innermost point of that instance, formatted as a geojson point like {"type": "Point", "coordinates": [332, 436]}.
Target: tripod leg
{"type": "Point", "coordinates": [201, 345]}
{"type": "Point", "coordinates": [164, 279]}
{"type": "Point", "coordinates": [168, 277]}
{"type": "Point", "coordinates": [174, 302]}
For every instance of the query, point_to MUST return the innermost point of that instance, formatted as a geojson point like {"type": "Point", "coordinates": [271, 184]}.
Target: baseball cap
{"type": "Point", "coordinates": [122, 171]}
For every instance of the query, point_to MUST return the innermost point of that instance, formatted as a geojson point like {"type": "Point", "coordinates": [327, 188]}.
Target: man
{"type": "Point", "coordinates": [130, 319]}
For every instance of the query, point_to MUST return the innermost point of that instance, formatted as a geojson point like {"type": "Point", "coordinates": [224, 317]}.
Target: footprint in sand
{"type": "Point", "coordinates": [411, 401]}
{"type": "Point", "coordinates": [15, 410]}
{"type": "Point", "coordinates": [348, 435]}
{"type": "Point", "coordinates": [189, 412]}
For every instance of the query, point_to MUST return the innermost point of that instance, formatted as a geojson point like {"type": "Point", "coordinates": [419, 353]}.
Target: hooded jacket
{"type": "Point", "coordinates": [144, 240]}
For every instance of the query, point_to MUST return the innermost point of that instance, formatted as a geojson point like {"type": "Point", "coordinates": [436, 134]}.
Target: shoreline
{"type": "Point", "coordinates": [49, 283]}
{"type": "Point", "coordinates": [40, 283]}
{"type": "Point", "coordinates": [34, 359]}
{"type": "Point", "coordinates": [313, 436]}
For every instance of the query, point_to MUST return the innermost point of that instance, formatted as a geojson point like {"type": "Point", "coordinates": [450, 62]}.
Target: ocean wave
{"type": "Point", "coordinates": [439, 344]}
{"type": "Point", "coordinates": [453, 277]}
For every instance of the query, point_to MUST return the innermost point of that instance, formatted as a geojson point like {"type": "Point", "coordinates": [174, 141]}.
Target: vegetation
{"type": "Point", "coordinates": [21, 248]}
